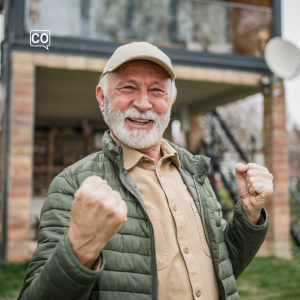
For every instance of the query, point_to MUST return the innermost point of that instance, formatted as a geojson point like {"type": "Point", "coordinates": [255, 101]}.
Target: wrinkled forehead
{"type": "Point", "coordinates": [143, 69]}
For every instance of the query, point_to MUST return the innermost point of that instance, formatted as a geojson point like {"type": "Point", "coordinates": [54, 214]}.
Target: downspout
{"type": "Point", "coordinates": [9, 34]}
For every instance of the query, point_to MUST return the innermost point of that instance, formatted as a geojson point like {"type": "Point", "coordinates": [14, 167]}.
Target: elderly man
{"type": "Point", "coordinates": [139, 220]}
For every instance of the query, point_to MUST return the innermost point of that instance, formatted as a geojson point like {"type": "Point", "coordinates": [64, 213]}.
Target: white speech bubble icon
{"type": "Point", "coordinates": [40, 38]}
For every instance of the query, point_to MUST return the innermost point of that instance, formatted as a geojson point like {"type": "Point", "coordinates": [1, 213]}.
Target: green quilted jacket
{"type": "Point", "coordinates": [128, 270]}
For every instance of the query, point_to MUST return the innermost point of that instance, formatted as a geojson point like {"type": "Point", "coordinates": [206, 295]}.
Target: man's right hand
{"type": "Point", "coordinates": [98, 212]}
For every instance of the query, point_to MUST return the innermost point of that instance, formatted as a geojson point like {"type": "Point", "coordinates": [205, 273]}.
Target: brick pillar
{"type": "Point", "coordinates": [276, 160]}
{"type": "Point", "coordinates": [20, 155]}
{"type": "Point", "coordinates": [194, 134]}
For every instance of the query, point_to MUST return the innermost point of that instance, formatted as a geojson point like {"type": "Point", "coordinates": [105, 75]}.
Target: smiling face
{"type": "Point", "coordinates": [137, 103]}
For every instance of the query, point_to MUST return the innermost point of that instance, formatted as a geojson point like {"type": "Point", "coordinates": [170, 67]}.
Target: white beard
{"type": "Point", "coordinates": [136, 138]}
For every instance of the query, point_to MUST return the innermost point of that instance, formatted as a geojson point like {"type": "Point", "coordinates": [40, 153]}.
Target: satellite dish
{"type": "Point", "coordinates": [283, 58]}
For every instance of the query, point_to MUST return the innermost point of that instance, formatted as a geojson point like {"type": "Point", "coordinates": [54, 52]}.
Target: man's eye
{"type": "Point", "coordinates": [128, 87]}
{"type": "Point", "coordinates": [156, 90]}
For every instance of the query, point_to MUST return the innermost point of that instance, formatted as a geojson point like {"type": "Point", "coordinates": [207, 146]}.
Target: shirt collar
{"type": "Point", "coordinates": [169, 152]}
{"type": "Point", "coordinates": [132, 156]}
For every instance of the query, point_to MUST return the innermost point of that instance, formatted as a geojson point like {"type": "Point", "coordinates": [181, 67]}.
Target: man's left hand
{"type": "Point", "coordinates": [255, 187]}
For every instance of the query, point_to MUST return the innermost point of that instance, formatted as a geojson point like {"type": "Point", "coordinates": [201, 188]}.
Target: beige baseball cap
{"type": "Point", "coordinates": [139, 50]}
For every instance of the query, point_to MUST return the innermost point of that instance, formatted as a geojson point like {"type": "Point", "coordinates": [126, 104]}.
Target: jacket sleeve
{"type": "Point", "coordinates": [243, 239]}
{"type": "Point", "coordinates": [54, 272]}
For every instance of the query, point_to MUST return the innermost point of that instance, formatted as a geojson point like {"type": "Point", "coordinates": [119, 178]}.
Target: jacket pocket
{"type": "Point", "coordinates": [161, 248]}
{"type": "Point", "coordinates": [201, 231]}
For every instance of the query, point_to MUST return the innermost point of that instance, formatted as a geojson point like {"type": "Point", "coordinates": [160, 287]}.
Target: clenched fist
{"type": "Point", "coordinates": [255, 187]}
{"type": "Point", "coordinates": [98, 212]}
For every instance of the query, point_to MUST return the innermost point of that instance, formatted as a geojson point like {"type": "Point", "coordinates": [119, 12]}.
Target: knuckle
{"type": "Point", "coordinates": [106, 188]}
{"type": "Point", "coordinates": [107, 208]}
{"type": "Point", "coordinates": [115, 194]}
{"type": "Point", "coordinates": [74, 204]}
{"type": "Point", "coordinates": [90, 178]}
{"type": "Point", "coordinates": [120, 216]}
{"type": "Point", "coordinates": [78, 194]}
{"type": "Point", "coordinates": [90, 181]}
{"type": "Point", "coordinates": [125, 211]}
{"type": "Point", "coordinates": [94, 178]}
{"type": "Point", "coordinates": [82, 194]}
{"type": "Point", "coordinates": [117, 214]}
{"type": "Point", "coordinates": [251, 173]}
{"type": "Point", "coordinates": [101, 195]}
{"type": "Point", "coordinates": [124, 218]}
{"type": "Point", "coordinates": [93, 196]}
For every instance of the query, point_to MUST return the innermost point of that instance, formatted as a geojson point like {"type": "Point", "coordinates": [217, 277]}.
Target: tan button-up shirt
{"type": "Point", "coordinates": [184, 264]}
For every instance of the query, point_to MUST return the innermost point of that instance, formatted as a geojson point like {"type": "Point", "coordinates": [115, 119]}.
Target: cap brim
{"type": "Point", "coordinates": [145, 57]}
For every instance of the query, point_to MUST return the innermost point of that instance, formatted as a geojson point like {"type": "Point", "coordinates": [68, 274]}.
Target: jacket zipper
{"type": "Point", "coordinates": [206, 234]}
{"type": "Point", "coordinates": [146, 214]}
{"type": "Point", "coordinates": [202, 214]}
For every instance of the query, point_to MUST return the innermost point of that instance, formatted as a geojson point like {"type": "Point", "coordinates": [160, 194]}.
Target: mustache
{"type": "Point", "coordinates": [136, 114]}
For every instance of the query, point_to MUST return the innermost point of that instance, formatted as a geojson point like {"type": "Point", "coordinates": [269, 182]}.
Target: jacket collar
{"type": "Point", "coordinates": [197, 165]}
{"type": "Point", "coordinates": [110, 149]}
{"type": "Point", "coordinates": [132, 156]}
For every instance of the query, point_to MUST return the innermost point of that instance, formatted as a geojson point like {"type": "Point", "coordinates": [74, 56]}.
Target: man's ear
{"type": "Point", "coordinates": [100, 97]}
{"type": "Point", "coordinates": [174, 99]}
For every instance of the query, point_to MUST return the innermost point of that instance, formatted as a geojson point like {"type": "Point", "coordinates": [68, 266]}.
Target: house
{"type": "Point", "coordinates": [49, 115]}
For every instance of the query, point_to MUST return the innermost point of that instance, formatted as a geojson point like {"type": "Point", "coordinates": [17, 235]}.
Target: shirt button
{"type": "Point", "coordinates": [186, 250]}
{"type": "Point", "coordinates": [198, 293]}
{"type": "Point", "coordinates": [174, 207]}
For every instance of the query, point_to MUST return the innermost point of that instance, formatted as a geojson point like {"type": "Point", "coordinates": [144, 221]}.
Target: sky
{"type": "Point", "coordinates": [291, 33]}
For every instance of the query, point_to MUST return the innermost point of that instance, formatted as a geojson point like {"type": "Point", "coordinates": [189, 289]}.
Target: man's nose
{"type": "Point", "coordinates": [142, 102]}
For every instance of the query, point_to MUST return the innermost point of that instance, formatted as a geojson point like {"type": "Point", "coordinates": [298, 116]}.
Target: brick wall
{"type": "Point", "coordinates": [276, 160]}
{"type": "Point", "coordinates": [20, 156]}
